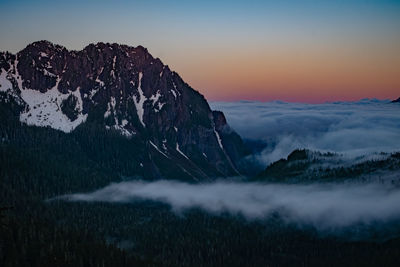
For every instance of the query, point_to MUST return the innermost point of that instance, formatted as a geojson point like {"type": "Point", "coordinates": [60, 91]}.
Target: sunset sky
{"type": "Point", "coordinates": [296, 51]}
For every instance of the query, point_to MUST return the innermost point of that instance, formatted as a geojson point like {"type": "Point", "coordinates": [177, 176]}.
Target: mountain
{"type": "Point", "coordinates": [304, 165]}
{"type": "Point", "coordinates": [123, 90]}
{"type": "Point", "coordinates": [396, 101]}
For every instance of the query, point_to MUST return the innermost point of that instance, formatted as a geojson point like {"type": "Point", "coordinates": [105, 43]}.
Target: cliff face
{"type": "Point", "coordinates": [125, 90]}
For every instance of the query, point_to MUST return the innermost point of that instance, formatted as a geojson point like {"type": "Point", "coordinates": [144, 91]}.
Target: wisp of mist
{"type": "Point", "coordinates": [350, 128]}
{"type": "Point", "coordinates": [325, 206]}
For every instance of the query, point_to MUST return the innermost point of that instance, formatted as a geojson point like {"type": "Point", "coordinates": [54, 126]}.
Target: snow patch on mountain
{"type": "Point", "coordinates": [177, 149]}
{"type": "Point", "coordinates": [155, 98]}
{"type": "Point", "coordinates": [44, 109]}
{"type": "Point", "coordinates": [218, 139]}
{"type": "Point", "coordinates": [139, 102]}
{"type": "Point", "coordinates": [174, 91]}
{"type": "Point", "coordinates": [5, 84]}
{"type": "Point", "coordinates": [48, 73]}
{"type": "Point", "coordinates": [113, 67]}
{"type": "Point", "coordinates": [160, 106]}
{"type": "Point", "coordinates": [156, 147]}
{"type": "Point", "coordinates": [122, 130]}
{"type": "Point", "coordinates": [108, 111]}
{"type": "Point", "coordinates": [120, 127]}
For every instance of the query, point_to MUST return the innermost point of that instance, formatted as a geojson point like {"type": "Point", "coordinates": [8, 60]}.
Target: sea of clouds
{"type": "Point", "coordinates": [351, 128]}
{"type": "Point", "coordinates": [325, 206]}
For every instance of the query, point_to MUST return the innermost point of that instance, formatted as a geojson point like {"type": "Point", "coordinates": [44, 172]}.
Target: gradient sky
{"type": "Point", "coordinates": [298, 51]}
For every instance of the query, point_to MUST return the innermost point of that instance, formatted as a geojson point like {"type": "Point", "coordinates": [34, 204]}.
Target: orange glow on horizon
{"type": "Point", "coordinates": [306, 74]}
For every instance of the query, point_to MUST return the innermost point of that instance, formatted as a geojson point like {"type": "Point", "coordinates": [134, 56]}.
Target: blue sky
{"type": "Point", "coordinates": [192, 36]}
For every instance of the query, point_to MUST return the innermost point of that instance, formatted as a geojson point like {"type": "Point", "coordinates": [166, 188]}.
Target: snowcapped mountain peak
{"type": "Point", "coordinates": [124, 89]}
{"type": "Point", "coordinates": [53, 80]}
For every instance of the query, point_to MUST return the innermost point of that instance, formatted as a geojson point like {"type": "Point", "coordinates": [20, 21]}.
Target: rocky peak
{"type": "Point", "coordinates": [125, 89]}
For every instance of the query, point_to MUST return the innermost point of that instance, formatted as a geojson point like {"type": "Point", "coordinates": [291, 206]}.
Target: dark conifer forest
{"type": "Point", "coordinates": [38, 164]}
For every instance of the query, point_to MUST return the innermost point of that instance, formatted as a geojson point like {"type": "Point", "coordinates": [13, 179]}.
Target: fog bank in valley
{"type": "Point", "coordinates": [351, 128]}
{"type": "Point", "coordinates": [325, 206]}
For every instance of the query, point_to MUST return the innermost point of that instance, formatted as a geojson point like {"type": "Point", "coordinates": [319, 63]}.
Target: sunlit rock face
{"type": "Point", "coordinates": [128, 91]}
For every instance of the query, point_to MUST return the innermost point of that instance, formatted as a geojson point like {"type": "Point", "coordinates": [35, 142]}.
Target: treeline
{"type": "Point", "coordinates": [306, 166]}
{"type": "Point", "coordinates": [39, 163]}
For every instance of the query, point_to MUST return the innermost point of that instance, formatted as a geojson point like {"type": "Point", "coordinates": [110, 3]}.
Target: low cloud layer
{"type": "Point", "coordinates": [325, 206]}
{"type": "Point", "coordinates": [351, 128]}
